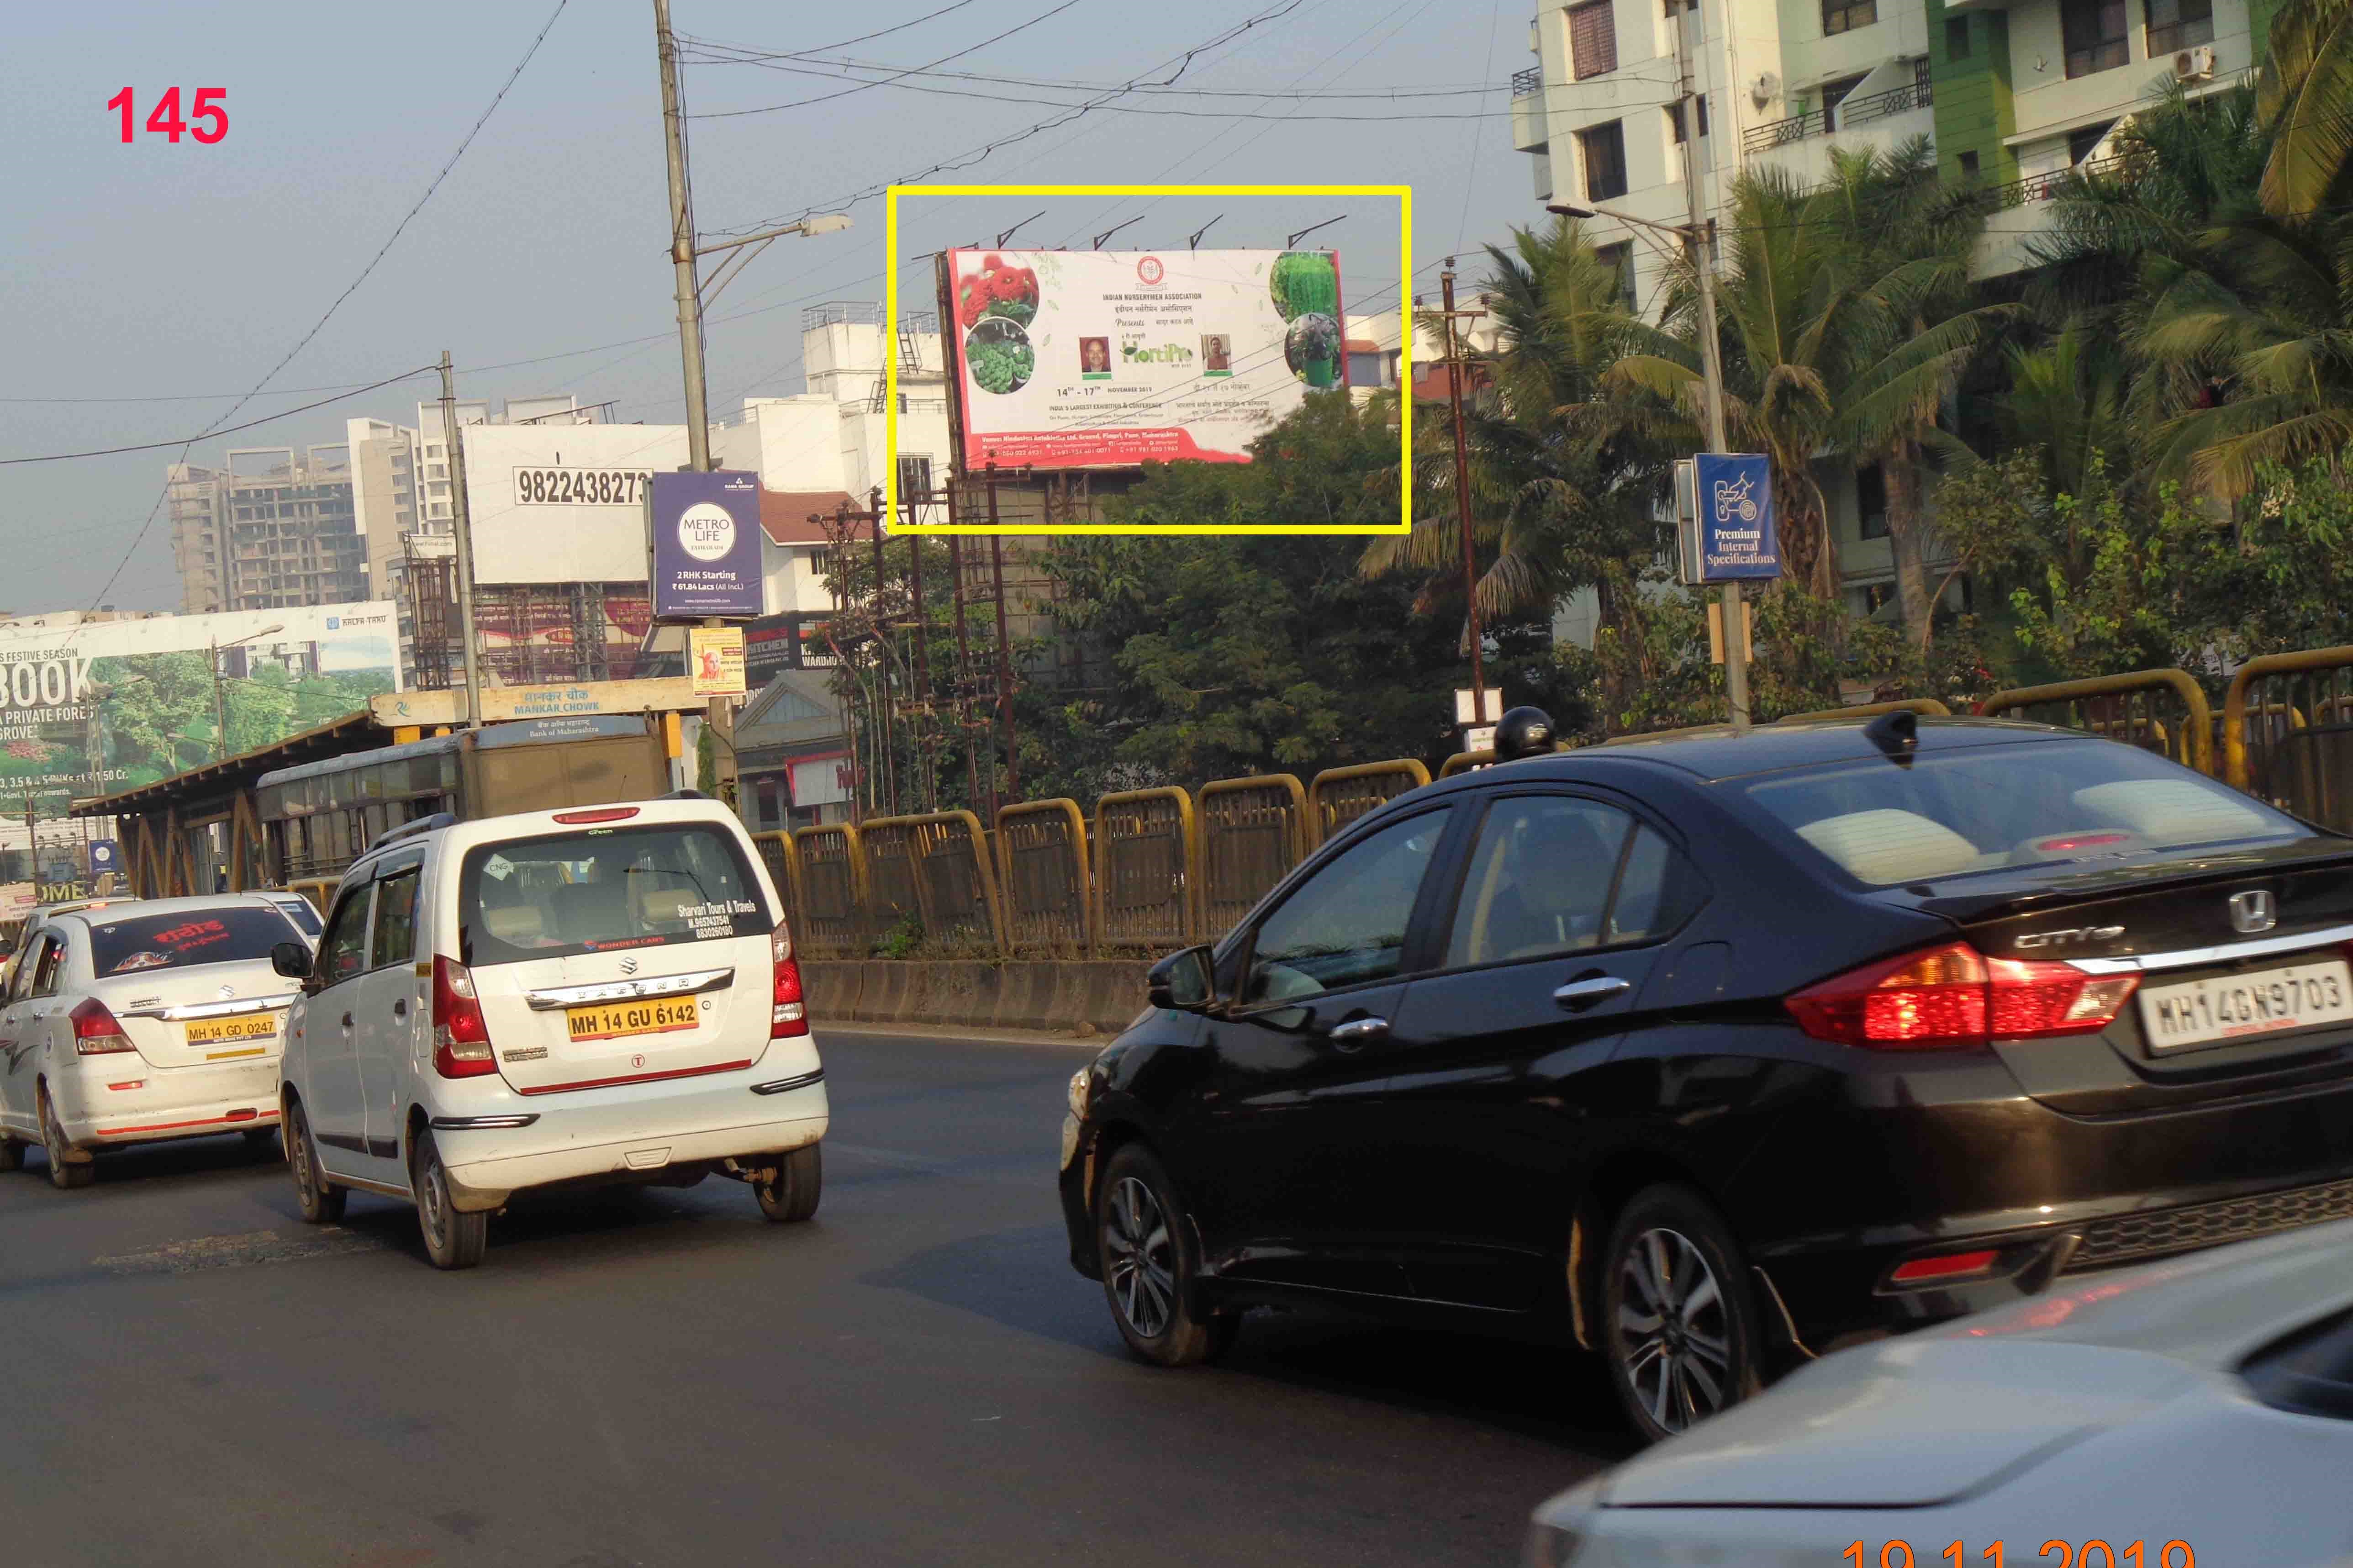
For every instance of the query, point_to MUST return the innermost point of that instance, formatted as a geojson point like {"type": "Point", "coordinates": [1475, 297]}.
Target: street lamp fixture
{"type": "Point", "coordinates": [751, 245]}
{"type": "Point", "coordinates": [1293, 239]}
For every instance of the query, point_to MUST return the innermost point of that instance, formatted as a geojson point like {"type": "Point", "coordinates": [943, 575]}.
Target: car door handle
{"type": "Point", "coordinates": [347, 1021]}
{"type": "Point", "coordinates": [400, 1007]}
{"type": "Point", "coordinates": [1579, 994]}
{"type": "Point", "coordinates": [1358, 1032]}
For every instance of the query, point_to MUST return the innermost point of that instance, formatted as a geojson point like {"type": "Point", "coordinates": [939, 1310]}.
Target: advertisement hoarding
{"type": "Point", "coordinates": [564, 503]}
{"type": "Point", "coordinates": [703, 533]}
{"type": "Point", "coordinates": [1096, 359]}
{"type": "Point", "coordinates": [106, 706]}
{"type": "Point", "coordinates": [1736, 540]}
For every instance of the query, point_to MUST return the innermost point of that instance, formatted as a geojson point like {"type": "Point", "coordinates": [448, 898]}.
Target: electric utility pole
{"type": "Point", "coordinates": [720, 715]}
{"type": "Point", "coordinates": [462, 528]}
{"type": "Point", "coordinates": [1462, 502]}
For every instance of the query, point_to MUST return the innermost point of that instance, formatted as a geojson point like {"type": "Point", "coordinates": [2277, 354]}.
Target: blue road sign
{"type": "Point", "coordinates": [1737, 541]}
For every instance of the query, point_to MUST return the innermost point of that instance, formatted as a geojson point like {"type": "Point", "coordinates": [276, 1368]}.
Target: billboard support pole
{"type": "Point", "coordinates": [882, 663]}
{"type": "Point", "coordinates": [1004, 655]}
{"type": "Point", "coordinates": [461, 525]}
{"type": "Point", "coordinates": [927, 786]}
{"type": "Point", "coordinates": [1462, 506]}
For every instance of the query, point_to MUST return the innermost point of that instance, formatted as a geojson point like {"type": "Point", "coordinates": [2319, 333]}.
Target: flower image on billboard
{"type": "Point", "coordinates": [1109, 359]}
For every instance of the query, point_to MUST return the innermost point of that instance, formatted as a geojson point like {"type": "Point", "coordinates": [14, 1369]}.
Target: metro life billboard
{"type": "Point", "coordinates": [1108, 359]}
{"type": "Point", "coordinates": [703, 533]}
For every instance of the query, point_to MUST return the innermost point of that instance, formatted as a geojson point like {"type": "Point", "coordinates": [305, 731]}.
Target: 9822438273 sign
{"type": "Point", "coordinates": [581, 486]}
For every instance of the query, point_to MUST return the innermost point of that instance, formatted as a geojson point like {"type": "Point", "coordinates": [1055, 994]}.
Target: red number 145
{"type": "Point", "coordinates": [164, 121]}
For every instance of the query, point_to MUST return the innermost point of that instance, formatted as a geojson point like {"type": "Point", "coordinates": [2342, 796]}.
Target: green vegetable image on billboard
{"type": "Point", "coordinates": [95, 709]}
{"type": "Point", "coordinates": [1108, 359]}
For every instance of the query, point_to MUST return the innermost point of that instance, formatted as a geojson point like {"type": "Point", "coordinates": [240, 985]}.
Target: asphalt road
{"type": "Point", "coordinates": [659, 1377]}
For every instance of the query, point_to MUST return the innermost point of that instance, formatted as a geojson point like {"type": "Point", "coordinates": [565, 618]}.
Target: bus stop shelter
{"type": "Point", "coordinates": [197, 831]}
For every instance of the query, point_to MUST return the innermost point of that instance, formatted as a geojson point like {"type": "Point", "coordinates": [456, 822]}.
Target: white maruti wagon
{"type": "Point", "coordinates": [142, 1022]}
{"type": "Point", "coordinates": [596, 994]}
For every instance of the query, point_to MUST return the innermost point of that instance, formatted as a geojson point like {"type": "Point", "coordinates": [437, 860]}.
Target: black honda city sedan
{"type": "Point", "coordinates": [1710, 1053]}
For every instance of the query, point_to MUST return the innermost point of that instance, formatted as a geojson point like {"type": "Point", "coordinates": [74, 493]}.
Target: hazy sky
{"type": "Point", "coordinates": [172, 274]}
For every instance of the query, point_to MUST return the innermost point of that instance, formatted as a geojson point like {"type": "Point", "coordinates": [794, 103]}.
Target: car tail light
{"type": "Point", "coordinates": [788, 1015]}
{"type": "Point", "coordinates": [603, 814]}
{"type": "Point", "coordinates": [461, 1041]}
{"type": "Point", "coordinates": [1954, 995]}
{"type": "Point", "coordinates": [1951, 1265]}
{"type": "Point", "coordinates": [96, 1032]}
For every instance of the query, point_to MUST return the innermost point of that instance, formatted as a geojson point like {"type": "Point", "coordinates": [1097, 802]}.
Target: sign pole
{"type": "Point", "coordinates": [1698, 236]}
{"type": "Point", "coordinates": [1004, 655]}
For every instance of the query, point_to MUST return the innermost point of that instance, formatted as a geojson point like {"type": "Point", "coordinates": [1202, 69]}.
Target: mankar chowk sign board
{"type": "Point", "coordinates": [1108, 358]}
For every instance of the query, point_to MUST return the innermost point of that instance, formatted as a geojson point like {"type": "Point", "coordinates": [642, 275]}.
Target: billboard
{"type": "Point", "coordinates": [564, 503]}
{"type": "Point", "coordinates": [703, 531]}
{"type": "Point", "coordinates": [106, 706]}
{"type": "Point", "coordinates": [1108, 358]}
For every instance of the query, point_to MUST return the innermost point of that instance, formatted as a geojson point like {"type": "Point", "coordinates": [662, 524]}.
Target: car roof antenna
{"type": "Point", "coordinates": [1896, 732]}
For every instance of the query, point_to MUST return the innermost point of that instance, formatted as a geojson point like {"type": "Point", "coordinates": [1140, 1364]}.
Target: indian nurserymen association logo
{"type": "Point", "coordinates": [706, 532]}
{"type": "Point", "coordinates": [1150, 270]}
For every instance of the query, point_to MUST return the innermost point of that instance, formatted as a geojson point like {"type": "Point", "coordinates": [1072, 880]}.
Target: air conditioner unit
{"type": "Point", "coordinates": [2194, 65]}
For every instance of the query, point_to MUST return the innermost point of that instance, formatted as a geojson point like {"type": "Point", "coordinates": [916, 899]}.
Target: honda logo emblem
{"type": "Point", "coordinates": [2256, 909]}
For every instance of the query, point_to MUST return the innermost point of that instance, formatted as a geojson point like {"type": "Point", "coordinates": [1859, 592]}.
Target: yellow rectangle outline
{"type": "Point", "coordinates": [891, 358]}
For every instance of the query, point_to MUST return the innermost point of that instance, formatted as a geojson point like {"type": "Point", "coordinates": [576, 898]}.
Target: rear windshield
{"type": "Point", "coordinates": [1953, 813]}
{"type": "Point", "coordinates": [605, 888]}
{"type": "Point", "coordinates": [185, 939]}
{"type": "Point", "coordinates": [299, 910]}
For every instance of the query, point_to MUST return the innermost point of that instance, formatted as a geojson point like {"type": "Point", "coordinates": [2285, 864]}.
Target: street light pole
{"type": "Point", "coordinates": [1698, 236]}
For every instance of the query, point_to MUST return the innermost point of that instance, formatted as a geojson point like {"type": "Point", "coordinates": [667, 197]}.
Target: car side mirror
{"type": "Point", "coordinates": [291, 960]}
{"type": "Point", "coordinates": [1181, 981]}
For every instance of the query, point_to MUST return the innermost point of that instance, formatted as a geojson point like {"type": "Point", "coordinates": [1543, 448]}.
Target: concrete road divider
{"type": "Point", "coordinates": [1100, 996]}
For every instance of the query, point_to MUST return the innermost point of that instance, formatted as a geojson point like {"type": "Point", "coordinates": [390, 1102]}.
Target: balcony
{"type": "Point", "coordinates": [2051, 184]}
{"type": "Point", "coordinates": [1845, 116]}
{"type": "Point", "coordinates": [1527, 83]}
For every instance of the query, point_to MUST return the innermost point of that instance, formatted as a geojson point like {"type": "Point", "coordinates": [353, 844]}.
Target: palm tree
{"type": "Point", "coordinates": [2306, 95]}
{"type": "Point", "coordinates": [1561, 503]}
{"type": "Point", "coordinates": [1784, 305]}
{"type": "Point", "coordinates": [1917, 325]}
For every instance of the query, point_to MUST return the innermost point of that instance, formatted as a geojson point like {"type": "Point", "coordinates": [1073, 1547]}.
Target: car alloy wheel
{"type": "Point", "coordinates": [1139, 1257]}
{"type": "Point", "coordinates": [1673, 1333]}
{"type": "Point", "coordinates": [63, 1172]}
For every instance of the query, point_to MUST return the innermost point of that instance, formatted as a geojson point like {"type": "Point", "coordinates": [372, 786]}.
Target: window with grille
{"type": "Point", "coordinates": [1846, 15]}
{"type": "Point", "coordinates": [1833, 94]}
{"type": "Point", "coordinates": [2093, 32]}
{"type": "Point", "coordinates": [914, 479]}
{"type": "Point", "coordinates": [1604, 152]}
{"type": "Point", "coordinates": [1592, 39]}
{"type": "Point", "coordinates": [1620, 259]}
{"type": "Point", "coordinates": [1871, 503]}
{"type": "Point", "coordinates": [2178, 25]}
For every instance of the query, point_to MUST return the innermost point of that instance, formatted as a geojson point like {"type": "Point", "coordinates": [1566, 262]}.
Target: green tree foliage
{"type": "Point", "coordinates": [1240, 654]}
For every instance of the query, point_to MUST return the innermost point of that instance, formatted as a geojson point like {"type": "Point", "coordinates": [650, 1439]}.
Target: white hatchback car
{"type": "Point", "coordinates": [140, 1022]}
{"type": "Point", "coordinates": [595, 994]}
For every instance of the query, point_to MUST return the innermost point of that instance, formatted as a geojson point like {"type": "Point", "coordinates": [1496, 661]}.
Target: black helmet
{"type": "Point", "coordinates": [1523, 732]}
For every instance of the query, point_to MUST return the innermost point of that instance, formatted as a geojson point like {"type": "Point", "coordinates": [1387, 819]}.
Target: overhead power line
{"type": "Point", "coordinates": [830, 97]}
{"type": "Point", "coordinates": [210, 430]}
{"type": "Point", "coordinates": [1176, 66]}
{"type": "Point", "coordinates": [723, 54]}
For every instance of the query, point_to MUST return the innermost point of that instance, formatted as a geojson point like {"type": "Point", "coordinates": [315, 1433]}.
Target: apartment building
{"type": "Point", "coordinates": [2012, 93]}
{"type": "Point", "coordinates": [267, 530]}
